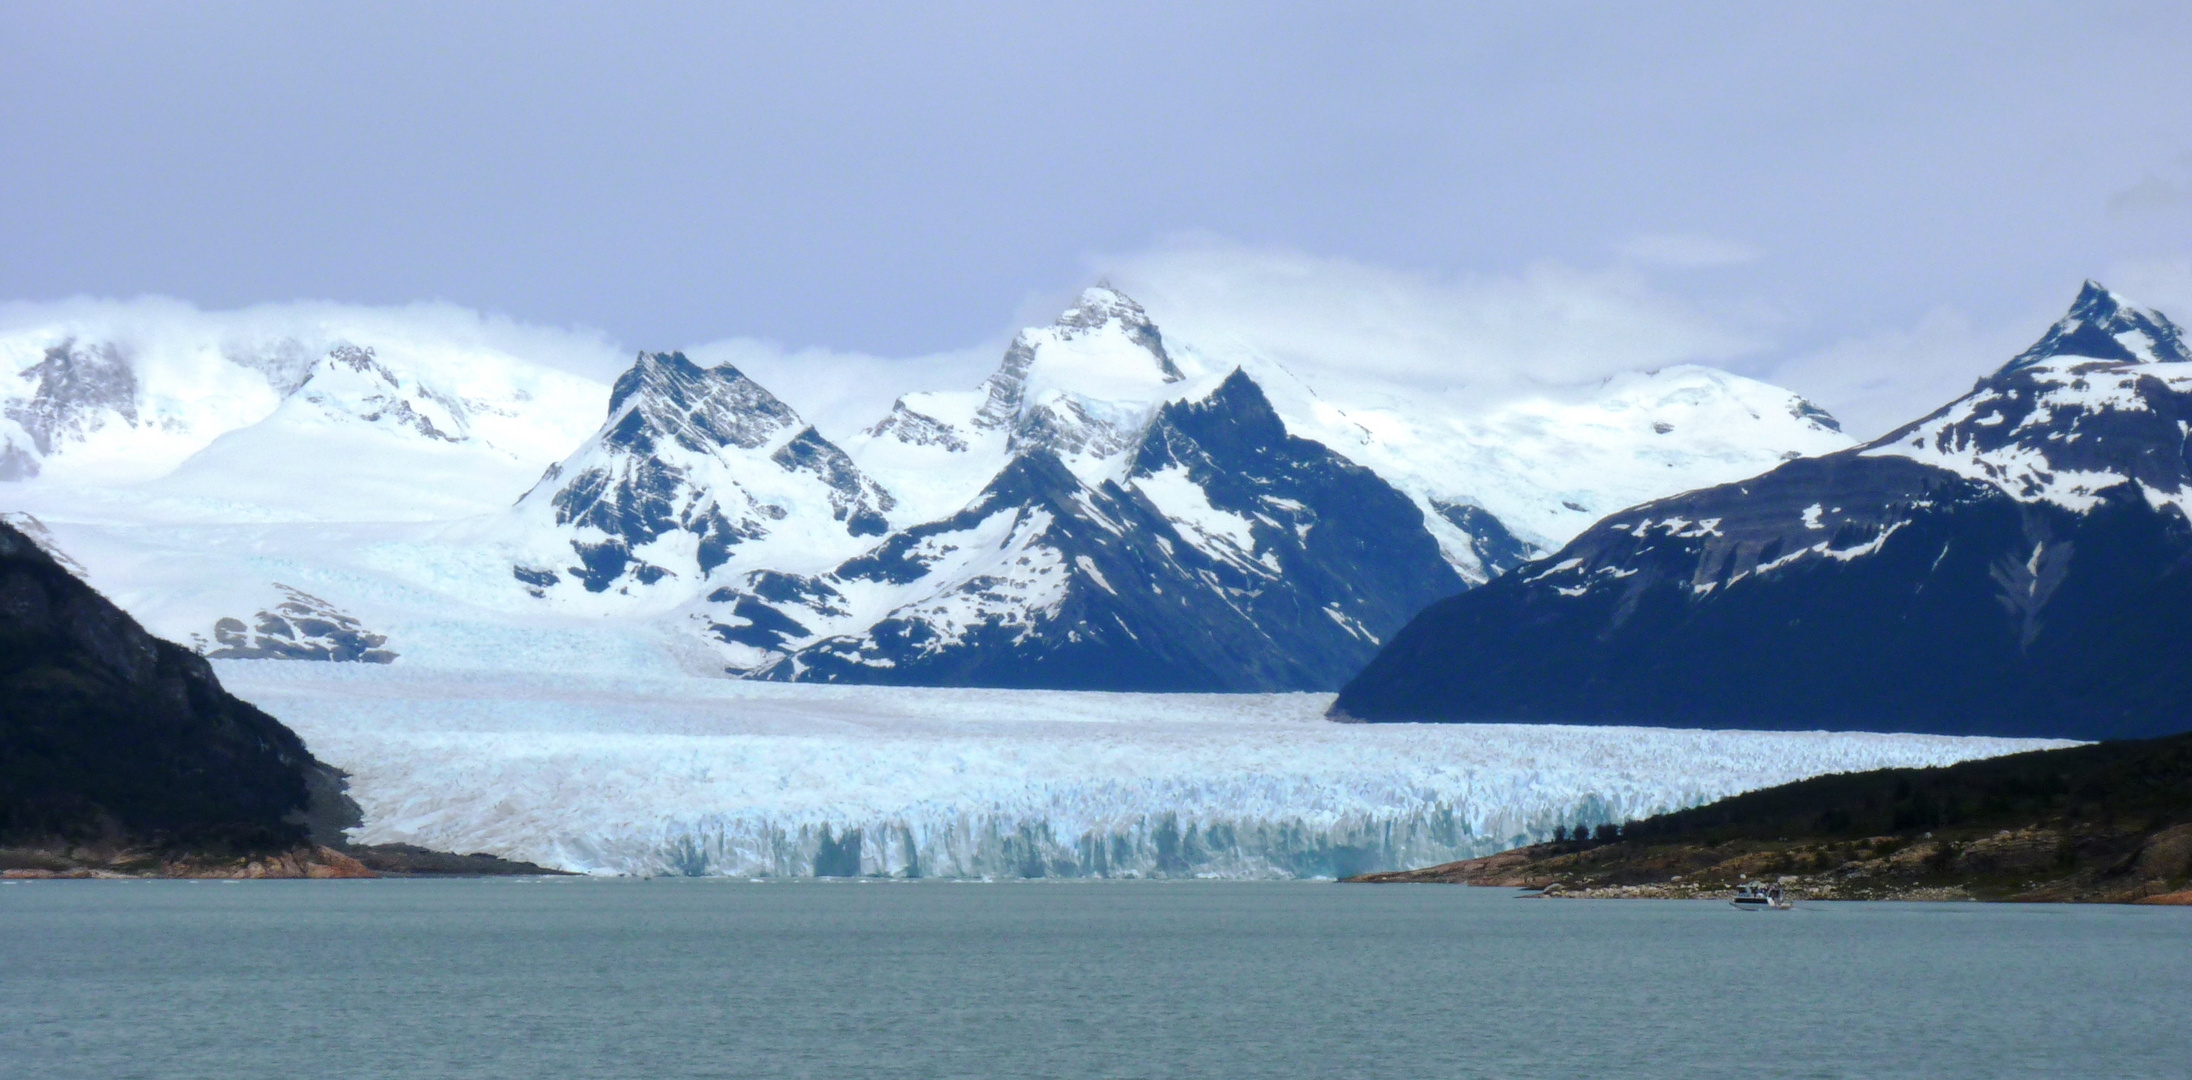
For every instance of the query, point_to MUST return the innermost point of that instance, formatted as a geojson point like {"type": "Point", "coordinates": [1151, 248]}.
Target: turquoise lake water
{"type": "Point", "coordinates": [656, 979]}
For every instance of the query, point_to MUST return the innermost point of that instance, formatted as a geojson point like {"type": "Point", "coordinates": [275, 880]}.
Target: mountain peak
{"type": "Point", "coordinates": [2082, 411]}
{"type": "Point", "coordinates": [352, 382]}
{"type": "Point", "coordinates": [1101, 305]}
{"type": "Point", "coordinates": [655, 372]}
{"type": "Point", "coordinates": [692, 463]}
{"type": "Point", "coordinates": [2102, 325]}
{"type": "Point", "coordinates": [1243, 401]}
{"type": "Point", "coordinates": [699, 408]}
{"type": "Point", "coordinates": [1103, 349]}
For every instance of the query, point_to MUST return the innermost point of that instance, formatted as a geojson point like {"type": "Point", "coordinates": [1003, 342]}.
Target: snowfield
{"type": "Point", "coordinates": [663, 774]}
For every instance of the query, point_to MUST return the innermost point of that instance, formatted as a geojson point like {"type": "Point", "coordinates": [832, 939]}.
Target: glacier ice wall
{"type": "Point", "coordinates": [665, 775]}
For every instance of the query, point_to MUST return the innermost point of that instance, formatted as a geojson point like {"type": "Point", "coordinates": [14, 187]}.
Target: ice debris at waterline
{"type": "Point", "coordinates": [666, 775]}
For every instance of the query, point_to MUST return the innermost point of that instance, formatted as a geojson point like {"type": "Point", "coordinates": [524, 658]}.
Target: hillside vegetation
{"type": "Point", "coordinates": [2102, 822]}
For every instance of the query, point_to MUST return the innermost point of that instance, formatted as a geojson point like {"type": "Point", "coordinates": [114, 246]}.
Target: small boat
{"type": "Point", "coordinates": [1751, 896]}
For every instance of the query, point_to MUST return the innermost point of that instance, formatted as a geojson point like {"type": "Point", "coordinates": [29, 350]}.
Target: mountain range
{"type": "Point", "coordinates": [2017, 562]}
{"type": "Point", "coordinates": [1108, 509]}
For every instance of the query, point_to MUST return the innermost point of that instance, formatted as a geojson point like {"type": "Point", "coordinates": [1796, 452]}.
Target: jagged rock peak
{"type": "Point", "coordinates": [915, 428]}
{"type": "Point", "coordinates": [1243, 402]}
{"type": "Point", "coordinates": [691, 464]}
{"type": "Point", "coordinates": [665, 395]}
{"type": "Point", "coordinates": [2083, 410]}
{"type": "Point", "coordinates": [2104, 326]}
{"type": "Point", "coordinates": [1101, 311]}
{"type": "Point", "coordinates": [1225, 555]}
{"type": "Point", "coordinates": [1100, 305]}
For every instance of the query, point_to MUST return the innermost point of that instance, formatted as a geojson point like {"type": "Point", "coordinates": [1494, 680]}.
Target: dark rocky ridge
{"type": "Point", "coordinates": [111, 736]}
{"type": "Point", "coordinates": [2042, 586]}
{"type": "Point", "coordinates": [122, 756]}
{"type": "Point", "coordinates": [410, 860]}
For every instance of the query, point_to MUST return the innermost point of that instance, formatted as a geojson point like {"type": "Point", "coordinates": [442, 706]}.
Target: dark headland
{"type": "Point", "coordinates": [122, 756]}
{"type": "Point", "coordinates": [2102, 823]}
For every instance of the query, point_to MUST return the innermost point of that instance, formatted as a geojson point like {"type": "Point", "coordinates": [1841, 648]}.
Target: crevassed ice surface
{"type": "Point", "coordinates": [662, 774]}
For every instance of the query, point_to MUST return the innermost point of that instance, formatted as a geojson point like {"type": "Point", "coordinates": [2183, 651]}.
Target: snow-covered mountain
{"type": "Point", "coordinates": [2090, 406]}
{"type": "Point", "coordinates": [1127, 527]}
{"type": "Point", "coordinates": [695, 468]}
{"type": "Point", "coordinates": [1222, 554]}
{"type": "Point", "coordinates": [1546, 466]}
{"type": "Point", "coordinates": [1495, 481]}
{"type": "Point", "coordinates": [275, 484]}
{"type": "Point", "coordinates": [2017, 562]}
{"type": "Point", "coordinates": [1107, 510]}
{"type": "Point", "coordinates": [369, 434]}
{"type": "Point", "coordinates": [1109, 507]}
{"type": "Point", "coordinates": [188, 416]}
{"type": "Point", "coordinates": [1082, 389]}
{"type": "Point", "coordinates": [94, 410]}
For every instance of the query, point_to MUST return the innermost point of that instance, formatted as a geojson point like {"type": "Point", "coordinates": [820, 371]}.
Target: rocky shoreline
{"type": "Point", "coordinates": [2031, 865]}
{"type": "Point", "coordinates": [310, 861]}
{"type": "Point", "coordinates": [2106, 823]}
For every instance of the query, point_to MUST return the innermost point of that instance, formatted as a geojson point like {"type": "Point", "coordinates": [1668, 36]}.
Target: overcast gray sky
{"type": "Point", "coordinates": [1837, 196]}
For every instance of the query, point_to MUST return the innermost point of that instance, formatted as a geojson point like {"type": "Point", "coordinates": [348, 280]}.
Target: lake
{"type": "Point", "coordinates": [677, 978]}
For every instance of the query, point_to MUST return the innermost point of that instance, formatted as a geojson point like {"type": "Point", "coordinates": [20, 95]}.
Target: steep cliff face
{"type": "Point", "coordinates": [2018, 562]}
{"type": "Point", "coordinates": [109, 734]}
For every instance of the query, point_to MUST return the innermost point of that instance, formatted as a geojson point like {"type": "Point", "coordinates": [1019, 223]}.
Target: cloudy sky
{"type": "Point", "coordinates": [1869, 203]}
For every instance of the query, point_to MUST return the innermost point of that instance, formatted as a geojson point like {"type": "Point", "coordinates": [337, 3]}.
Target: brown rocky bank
{"type": "Point", "coordinates": [302, 861]}
{"type": "Point", "coordinates": [2030, 864]}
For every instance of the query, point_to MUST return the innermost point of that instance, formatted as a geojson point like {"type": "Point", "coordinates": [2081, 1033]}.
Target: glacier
{"type": "Point", "coordinates": [338, 484]}
{"type": "Point", "coordinates": [656, 773]}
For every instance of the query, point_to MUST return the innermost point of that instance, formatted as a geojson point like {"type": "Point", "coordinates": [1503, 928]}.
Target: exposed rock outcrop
{"type": "Point", "coordinates": [112, 738]}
